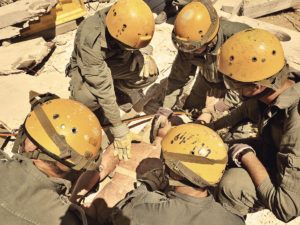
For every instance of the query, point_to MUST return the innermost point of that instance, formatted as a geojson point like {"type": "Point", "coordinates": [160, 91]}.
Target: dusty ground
{"type": "Point", "coordinates": [14, 89]}
{"type": "Point", "coordinates": [288, 18]}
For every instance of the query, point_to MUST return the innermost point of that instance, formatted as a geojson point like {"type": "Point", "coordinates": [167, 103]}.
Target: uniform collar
{"type": "Point", "coordinates": [102, 27]}
{"type": "Point", "coordinates": [289, 97]}
{"type": "Point", "coordinates": [187, 198]}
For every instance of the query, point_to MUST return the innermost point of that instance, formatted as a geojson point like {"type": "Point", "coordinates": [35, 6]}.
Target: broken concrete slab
{"type": "Point", "coordinates": [24, 10]}
{"type": "Point", "coordinates": [289, 38]}
{"type": "Point", "coordinates": [229, 6]}
{"type": "Point", "coordinates": [9, 32]}
{"type": "Point", "coordinates": [232, 6]}
{"type": "Point", "coordinates": [257, 8]}
{"type": "Point", "coordinates": [23, 56]}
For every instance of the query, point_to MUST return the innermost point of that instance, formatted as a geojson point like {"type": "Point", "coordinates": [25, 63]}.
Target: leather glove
{"type": "Point", "coordinates": [122, 145]}
{"type": "Point", "coordinates": [151, 171]}
{"type": "Point", "coordinates": [145, 63]}
{"type": "Point", "coordinates": [236, 152]}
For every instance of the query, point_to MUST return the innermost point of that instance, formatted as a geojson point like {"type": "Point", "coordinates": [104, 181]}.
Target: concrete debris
{"type": "Point", "coordinates": [14, 17]}
{"type": "Point", "coordinates": [255, 8]}
{"type": "Point", "coordinates": [23, 56]}
{"type": "Point", "coordinates": [258, 8]}
{"type": "Point", "coordinates": [6, 2]}
{"type": "Point", "coordinates": [23, 11]}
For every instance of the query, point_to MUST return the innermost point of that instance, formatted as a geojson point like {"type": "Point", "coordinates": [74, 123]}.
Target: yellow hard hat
{"type": "Point", "coordinates": [67, 131]}
{"type": "Point", "coordinates": [196, 153]}
{"type": "Point", "coordinates": [195, 25]}
{"type": "Point", "coordinates": [251, 55]}
{"type": "Point", "coordinates": [131, 22]}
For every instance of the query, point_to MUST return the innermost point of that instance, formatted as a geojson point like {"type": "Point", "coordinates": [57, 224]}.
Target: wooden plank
{"type": "Point", "coordinates": [232, 6]}
{"type": "Point", "coordinates": [290, 39]}
{"type": "Point", "coordinates": [257, 8]}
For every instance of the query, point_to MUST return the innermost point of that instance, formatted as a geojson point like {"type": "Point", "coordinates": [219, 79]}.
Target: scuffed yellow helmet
{"type": "Point", "coordinates": [131, 22]}
{"type": "Point", "coordinates": [251, 55]}
{"type": "Point", "coordinates": [195, 25]}
{"type": "Point", "coordinates": [66, 131]}
{"type": "Point", "coordinates": [196, 153]}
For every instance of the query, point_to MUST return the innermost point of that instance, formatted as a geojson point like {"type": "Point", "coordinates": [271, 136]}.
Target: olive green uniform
{"type": "Point", "coordinates": [145, 207]}
{"type": "Point", "coordinates": [279, 151]}
{"type": "Point", "coordinates": [98, 64]}
{"type": "Point", "coordinates": [208, 78]}
{"type": "Point", "coordinates": [28, 196]}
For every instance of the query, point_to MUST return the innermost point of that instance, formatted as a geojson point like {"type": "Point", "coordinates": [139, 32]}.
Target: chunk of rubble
{"type": "Point", "coordinates": [24, 10]}
{"type": "Point", "coordinates": [23, 56]}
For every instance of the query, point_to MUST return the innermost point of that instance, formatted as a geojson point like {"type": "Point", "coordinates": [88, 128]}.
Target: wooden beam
{"type": "Point", "coordinates": [257, 8]}
{"type": "Point", "coordinates": [232, 6]}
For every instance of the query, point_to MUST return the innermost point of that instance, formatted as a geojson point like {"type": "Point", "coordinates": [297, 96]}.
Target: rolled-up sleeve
{"type": "Point", "coordinates": [283, 198]}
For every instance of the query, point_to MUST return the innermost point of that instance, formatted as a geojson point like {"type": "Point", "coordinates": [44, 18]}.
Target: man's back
{"type": "Point", "coordinates": [144, 207]}
{"type": "Point", "coordinates": [27, 196]}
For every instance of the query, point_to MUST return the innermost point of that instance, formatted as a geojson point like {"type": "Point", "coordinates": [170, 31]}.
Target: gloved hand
{"type": "Point", "coordinates": [236, 152]}
{"type": "Point", "coordinates": [145, 63]}
{"type": "Point", "coordinates": [151, 171]}
{"type": "Point", "coordinates": [159, 121]}
{"type": "Point", "coordinates": [122, 145]}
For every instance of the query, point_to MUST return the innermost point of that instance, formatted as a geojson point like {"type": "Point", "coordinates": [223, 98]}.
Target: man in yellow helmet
{"type": "Point", "coordinates": [56, 143]}
{"type": "Point", "coordinates": [107, 58]}
{"type": "Point", "coordinates": [198, 34]}
{"type": "Point", "coordinates": [194, 159]}
{"type": "Point", "coordinates": [253, 64]}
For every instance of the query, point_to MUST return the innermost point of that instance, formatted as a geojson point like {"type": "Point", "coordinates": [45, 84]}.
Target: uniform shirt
{"type": "Point", "coordinates": [28, 196]}
{"type": "Point", "coordinates": [95, 57]}
{"type": "Point", "coordinates": [279, 130]}
{"type": "Point", "coordinates": [143, 207]}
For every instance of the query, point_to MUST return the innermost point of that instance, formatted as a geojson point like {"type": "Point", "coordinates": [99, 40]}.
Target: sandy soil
{"type": "Point", "coordinates": [14, 89]}
{"type": "Point", "coordinates": [288, 18]}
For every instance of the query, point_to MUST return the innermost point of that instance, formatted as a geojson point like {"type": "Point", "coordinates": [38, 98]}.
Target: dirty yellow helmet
{"type": "Point", "coordinates": [196, 153]}
{"type": "Point", "coordinates": [66, 131]}
{"type": "Point", "coordinates": [195, 25]}
{"type": "Point", "coordinates": [251, 55]}
{"type": "Point", "coordinates": [131, 22]}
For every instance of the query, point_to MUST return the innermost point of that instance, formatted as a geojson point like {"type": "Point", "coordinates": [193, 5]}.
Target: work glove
{"type": "Point", "coordinates": [236, 152]}
{"type": "Point", "coordinates": [122, 145]}
{"type": "Point", "coordinates": [145, 64]}
{"type": "Point", "coordinates": [159, 121]}
{"type": "Point", "coordinates": [151, 171]}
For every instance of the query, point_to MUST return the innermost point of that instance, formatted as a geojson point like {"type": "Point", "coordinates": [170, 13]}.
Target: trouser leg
{"type": "Point", "coordinates": [197, 97]}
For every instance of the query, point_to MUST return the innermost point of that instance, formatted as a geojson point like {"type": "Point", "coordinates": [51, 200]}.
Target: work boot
{"type": "Point", "coordinates": [169, 11]}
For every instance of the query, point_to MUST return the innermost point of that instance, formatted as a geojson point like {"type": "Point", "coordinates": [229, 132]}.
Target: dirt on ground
{"type": "Point", "coordinates": [288, 18]}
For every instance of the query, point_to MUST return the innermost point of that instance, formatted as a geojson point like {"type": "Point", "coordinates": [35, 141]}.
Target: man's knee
{"type": "Point", "coordinates": [236, 190]}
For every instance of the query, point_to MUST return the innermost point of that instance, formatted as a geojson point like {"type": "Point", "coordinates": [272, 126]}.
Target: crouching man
{"type": "Point", "coordinates": [253, 64]}
{"type": "Point", "coordinates": [60, 138]}
{"type": "Point", "coordinates": [194, 160]}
